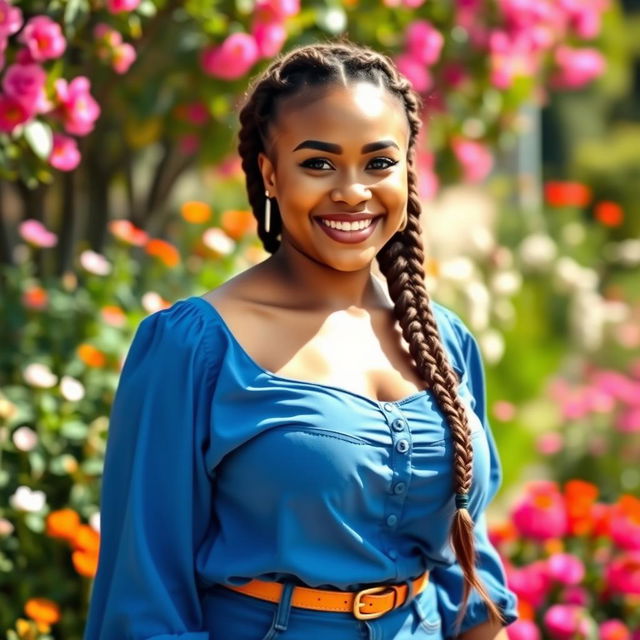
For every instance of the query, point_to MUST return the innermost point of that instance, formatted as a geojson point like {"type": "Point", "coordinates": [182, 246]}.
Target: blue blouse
{"type": "Point", "coordinates": [219, 471]}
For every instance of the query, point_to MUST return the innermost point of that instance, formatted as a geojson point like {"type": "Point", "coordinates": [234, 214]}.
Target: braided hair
{"type": "Point", "coordinates": [401, 259]}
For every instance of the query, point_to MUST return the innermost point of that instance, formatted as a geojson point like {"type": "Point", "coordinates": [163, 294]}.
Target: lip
{"type": "Point", "coordinates": [349, 237]}
{"type": "Point", "coordinates": [348, 217]}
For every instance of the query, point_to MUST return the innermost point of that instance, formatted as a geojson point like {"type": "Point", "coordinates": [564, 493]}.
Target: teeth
{"type": "Point", "coordinates": [347, 226]}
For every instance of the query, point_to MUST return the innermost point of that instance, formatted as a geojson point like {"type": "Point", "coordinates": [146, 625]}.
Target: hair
{"type": "Point", "coordinates": [401, 259]}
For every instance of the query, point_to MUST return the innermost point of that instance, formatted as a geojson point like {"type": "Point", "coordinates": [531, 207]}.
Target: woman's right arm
{"type": "Point", "coordinates": [156, 490]}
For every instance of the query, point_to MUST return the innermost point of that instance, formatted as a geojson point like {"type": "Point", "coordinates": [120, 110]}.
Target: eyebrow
{"type": "Point", "coordinates": [330, 147]}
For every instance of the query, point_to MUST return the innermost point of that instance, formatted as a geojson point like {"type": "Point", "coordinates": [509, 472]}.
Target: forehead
{"type": "Point", "coordinates": [358, 113]}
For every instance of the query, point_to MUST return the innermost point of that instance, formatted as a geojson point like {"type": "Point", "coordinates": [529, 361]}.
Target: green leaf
{"type": "Point", "coordinates": [40, 138]}
{"type": "Point", "coordinates": [74, 430]}
{"type": "Point", "coordinates": [147, 9]}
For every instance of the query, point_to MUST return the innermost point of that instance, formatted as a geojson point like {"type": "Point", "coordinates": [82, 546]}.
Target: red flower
{"type": "Point", "coordinates": [608, 213]}
{"type": "Point", "coordinates": [567, 194]}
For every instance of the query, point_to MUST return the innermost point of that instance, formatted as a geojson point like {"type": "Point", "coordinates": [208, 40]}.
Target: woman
{"type": "Point", "coordinates": [291, 454]}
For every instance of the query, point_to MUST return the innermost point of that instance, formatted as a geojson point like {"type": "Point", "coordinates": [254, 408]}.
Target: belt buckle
{"type": "Point", "coordinates": [358, 604]}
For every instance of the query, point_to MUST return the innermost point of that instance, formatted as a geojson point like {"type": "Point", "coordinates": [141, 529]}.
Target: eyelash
{"type": "Point", "coordinates": [306, 164]}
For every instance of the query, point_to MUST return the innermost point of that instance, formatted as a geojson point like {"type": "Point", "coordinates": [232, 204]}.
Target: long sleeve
{"type": "Point", "coordinates": [449, 580]}
{"type": "Point", "coordinates": [156, 492]}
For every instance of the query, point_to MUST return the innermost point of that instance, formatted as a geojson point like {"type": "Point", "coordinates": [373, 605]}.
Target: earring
{"type": "Point", "coordinates": [267, 213]}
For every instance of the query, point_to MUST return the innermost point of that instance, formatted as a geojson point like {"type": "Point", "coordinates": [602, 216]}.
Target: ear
{"type": "Point", "coordinates": [268, 171]}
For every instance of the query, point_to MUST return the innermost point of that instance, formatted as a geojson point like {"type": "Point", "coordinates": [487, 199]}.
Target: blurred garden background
{"type": "Point", "coordinates": [121, 192]}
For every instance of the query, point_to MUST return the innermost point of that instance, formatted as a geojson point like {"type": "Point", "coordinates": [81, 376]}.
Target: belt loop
{"type": "Point", "coordinates": [280, 620]}
{"type": "Point", "coordinates": [410, 594]}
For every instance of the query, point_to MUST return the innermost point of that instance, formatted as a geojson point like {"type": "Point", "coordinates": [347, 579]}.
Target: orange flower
{"type": "Point", "coordinates": [602, 516]}
{"type": "Point", "coordinates": [85, 563]}
{"type": "Point", "coordinates": [610, 214]}
{"type": "Point", "coordinates": [579, 497]}
{"type": "Point", "coordinates": [567, 194]}
{"type": "Point", "coordinates": [86, 539]}
{"type": "Point", "coordinates": [63, 523]}
{"type": "Point", "coordinates": [503, 533]}
{"type": "Point", "coordinates": [126, 231]}
{"type": "Point", "coordinates": [113, 315]}
{"type": "Point", "coordinates": [237, 223]}
{"type": "Point", "coordinates": [42, 610]}
{"type": "Point", "coordinates": [195, 212]}
{"type": "Point", "coordinates": [27, 629]}
{"type": "Point", "coordinates": [525, 610]}
{"type": "Point", "coordinates": [164, 251]}
{"type": "Point", "coordinates": [35, 298]}
{"type": "Point", "coordinates": [553, 545]}
{"type": "Point", "coordinates": [91, 356]}
{"type": "Point", "coordinates": [432, 267]}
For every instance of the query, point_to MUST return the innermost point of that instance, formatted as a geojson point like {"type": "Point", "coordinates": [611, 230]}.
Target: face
{"type": "Point", "coordinates": [337, 165]}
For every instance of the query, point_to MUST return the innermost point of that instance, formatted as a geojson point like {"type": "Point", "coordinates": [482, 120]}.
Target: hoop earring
{"type": "Point", "coordinates": [267, 213]}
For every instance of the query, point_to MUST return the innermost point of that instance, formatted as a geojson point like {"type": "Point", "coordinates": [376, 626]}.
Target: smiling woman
{"type": "Point", "coordinates": [300, 453]}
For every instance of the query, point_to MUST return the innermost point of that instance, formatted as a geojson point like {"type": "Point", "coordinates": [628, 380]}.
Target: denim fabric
{"type": "Point", "coordinates": [218, 471]}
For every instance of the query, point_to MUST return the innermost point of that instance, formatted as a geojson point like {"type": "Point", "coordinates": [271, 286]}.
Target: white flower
{"type": "Point", "coordinates": [587, 318]}
{"type": "Point", "coordinates": [6, 528]}
{"type": "Point", "coordinates": [218, 241]}
{"type": "Point", "coordinates": [95, 263]}
{"type": "Point", "coordinates": [573, 233]}
{"type": "Point", "coordinates": [71, 389]}
{"type": "Point", "coordinates": [152, 302]}
{"type": "Point", "coordinates": [478, 305]}
{"type": "Point", "coordinates": [537, 251]}
{"type": "Point", "coordinates": [24, 499]}
{"type": "Point", "coordinates": [572, 276]}
{"type": "Point", "coordinates": [25, 438]}
{"type": "Point", "coordinates": [492, 345]}
{"type": "Point", "coordinates": [506, 282]}
{"type": "Point", "coordinates": [627, 252]}
{"type": "Point", "coordinates": [457, 269]}
{"type": "Point", "coordinates": [94, 521]}
{"type": "Point", "coordinates": [39, 375]}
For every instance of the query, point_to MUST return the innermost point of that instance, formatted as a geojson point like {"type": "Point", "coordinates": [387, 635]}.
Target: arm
{"type": "Point", "coordinates": [156, 492]}
{"type": "Point", "coordinates": [485, 631]}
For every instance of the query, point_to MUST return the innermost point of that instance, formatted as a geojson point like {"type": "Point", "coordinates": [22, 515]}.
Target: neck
{"type": "Point", "coordinates": [317, 286]}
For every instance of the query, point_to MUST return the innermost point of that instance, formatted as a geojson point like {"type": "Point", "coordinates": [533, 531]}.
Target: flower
{"type": "Point", "coordinates": [231, 59]}
{"type": "Point", "coordinates": [91, 356]}
{"type": "Point", "coordinates": [25, 84]}
{"type": "Point", "coordinates": [10, 19]}
{"type": "Point", "coordinates": [530, 582]}
{"type": "Point", "coordinates": [6, 528]}
{"type": "Point", "coordinates": [71, 389]}
{"type": "Point", "coordinates": [43, 38]}
{"type": "Point", "coordinates": [128, 233]}
{"type": "Point", "coordinates": [577, 67]}
{"type": "Point", "coordinates": [152, 302]}
{"type": "Point", "coordinates": [504, 410]}
{"type": "Point", "coordinates": [120, 6]}
{"type": "Point", "coordinates": [415, 71]}
{"type": "Point", "coordinates": [614, 629]}
{"type": "Point", "coordinates": [65, 155]}
{"type": "Point", "coordinates": [270, 37]}
{"type": "Point", "coordinates": [25, 438]}
{"type": "Point", "coordinates": [567, 622]}
{"type": "Point", "coordinates": [35, 297]}
{"type": "Point", "coordinates": [541, 513]}
{"type": "Point", "coordinates": [567, 194]}
{"type": "Point", "coordinates": [623, 573]}
{"type": "Point", "coordinates": [625, 522]}
{"type": "Point", "coordinates": [39, 375]}
{"type": "Point", "coordinates": [113, 316]}
{"type": "Point", "coordinates": [523, 630]}
{"type": "Point", "coordinates": [124, 55]}
{"type": "Point", "coordinates": [195, 212]}
{"type": "Point", "coordinates": [95, 263]}
{"type": "Point", "coordinates": [78, 108]}
{"type": "Point", "coordinates": [25, 499]}
{"type": "Point", "coordinates": [94, 521]}
{"type": "Point", "coordinates": [474, 158]}
{"type": "Point", "coordinates": [36, 234]}
{"type": "Point", "coordinates": [164, 251]}
{"type": "Point", "coordinates": [62, 523]}
{"type": "Point", "coordinates": [42, 610]}
{"type": "Point", "coordinates": [629, 420]}
{"type": "Point", "coordinates": [238, 223]}
{"type": "Point", "coordinates": [424, 42]}
{"type": "Point", "coordinates": [549, 443]}
{"type": "Point", "coordinates": [580, 497]}
{"type": "Point", "coordinates": [12, 114]}
{"type": "Point", "coordinates": [86, 538]}
{"type": "Point", "coordinates": [610, 214]}
{"type": "Point", "coordinates": [85, 563]}
{"type": "Point", "coordinates": [218, 242]}
{"type": "Point", "coordinates": [565, 568]}
{"type": "Point", "coordinates": [278, 9]}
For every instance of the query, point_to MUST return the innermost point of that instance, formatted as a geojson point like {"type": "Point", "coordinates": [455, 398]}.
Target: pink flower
{"type": "Point", "coordinates": [119, 6]}
{"type": "Point", "coordinates": [36, 234]}
{"type": "Point", "coordinates": [618, 386]}
{"type": "Point", "coordinates": [474, 157]}
{"type": "Point", "coordinates": [269, 36]}
{"type": "Point", "coordinates": [43, 38]}
{"type": "Point", "coordinates": [504, 411]}
{"type": "Point", "coordinates": [565, 568]}
{"type": "Point", "coordinates": [25, 84]}
{"type": "Point", "coordinates": [523, 630]}
{"type": "Point", "coordinates": [531, 582]}
{"type": "Point", "coordinates": [111, 36]}
{"type": "Point", "coordinates": [575, 595]}
{"type": "Point", "coordinates": [12, 114]}
{"type": "Point", "coordinates": [541, 513]}
{"type": "Point", "coordinates": [65, 155]}
{"type": "Point", "coordinates": [625, 523]}
{"type": "Point", "coordinates": [549, 443]}
{"type": "Point", "coordinates": [427, 178]}
{"type": "Point", "coordinates": [279, 9]}
{"type": "Point", "coordinates": [614, 630]}
{"type": "Point", "coordinates": [577, 67]}
{"type": "Point", "coordinates": [10, 19]}
{"type": "Point", "coordinates": [629, 421]}
{"type": "Point", "coordinates": [415, 71]}
{"type": "Point", "coordinates": [79, 109]}
{"type": "Point", "coordinates": [196, 113]}
{"type": "Point", "coordinates": [233, 58]}
{"type": "Point", "coordinates": [424, 42]}
{"type": "Point", "coordinates": [567, 622]}
{"type": "Point", "coordinates": [623, 574]}
{"type": "Point", "coordinates": [124, 56]}
{"type": "Point", "coordinates": [189, 144]}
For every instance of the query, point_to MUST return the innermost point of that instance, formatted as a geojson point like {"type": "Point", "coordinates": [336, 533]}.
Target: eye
{"type": "Point", "coordinates": [382, 163]}
{"type": "Point", "coordinates": [316, 163]}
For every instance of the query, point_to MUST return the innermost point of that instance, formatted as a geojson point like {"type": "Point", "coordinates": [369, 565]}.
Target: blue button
{"type": "Point", "coordinates": [392, 553]}
{"type": "Point", "coordinates": [399, 488]}
{"type": "Point", "coordinates": [398, 424]}
{"type": "Point", "coordinates": [387, 406]}
{"type": "Point", "coordinates": [402, 446]}
{"type": "Point", "coordinates": [392, 520]}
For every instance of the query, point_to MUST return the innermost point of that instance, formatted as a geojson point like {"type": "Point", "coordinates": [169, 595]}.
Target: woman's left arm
{"type": "Point", "coordinates": [485, 631]}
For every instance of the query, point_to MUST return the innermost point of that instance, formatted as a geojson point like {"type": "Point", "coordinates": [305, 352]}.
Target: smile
{"type": "Point", "coordinates": [348, 232]}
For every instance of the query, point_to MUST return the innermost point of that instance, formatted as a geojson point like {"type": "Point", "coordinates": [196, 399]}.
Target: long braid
{"type": "Point", "coordinates": [401, 260]}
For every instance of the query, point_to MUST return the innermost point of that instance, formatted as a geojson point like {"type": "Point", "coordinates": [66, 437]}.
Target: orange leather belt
{"type": "Point", "coordinates": [365, 604]}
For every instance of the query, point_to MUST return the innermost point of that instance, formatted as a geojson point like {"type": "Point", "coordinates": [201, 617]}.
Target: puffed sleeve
{"type": "Point", "coordinates": [156, 491]}
{"type": "Point", "coordinates": [449, 580]}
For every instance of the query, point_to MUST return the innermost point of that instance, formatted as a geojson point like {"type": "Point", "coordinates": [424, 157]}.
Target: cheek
{"type": "Point", "coordinates": [394, 192]}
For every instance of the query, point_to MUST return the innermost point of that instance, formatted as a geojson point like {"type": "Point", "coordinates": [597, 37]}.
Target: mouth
{"type": "Point", "coordinates": [348, 229]}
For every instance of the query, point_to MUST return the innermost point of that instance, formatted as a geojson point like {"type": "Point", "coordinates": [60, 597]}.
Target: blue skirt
{"type": "Point", "coordinates": [234, 616]}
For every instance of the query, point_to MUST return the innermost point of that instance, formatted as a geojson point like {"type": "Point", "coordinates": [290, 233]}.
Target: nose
{"type": "Point", "coordinates": [351, 192]}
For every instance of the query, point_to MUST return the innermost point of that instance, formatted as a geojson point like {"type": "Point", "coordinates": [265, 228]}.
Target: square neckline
{"type": "Point", "coordinates": [249, 358]}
